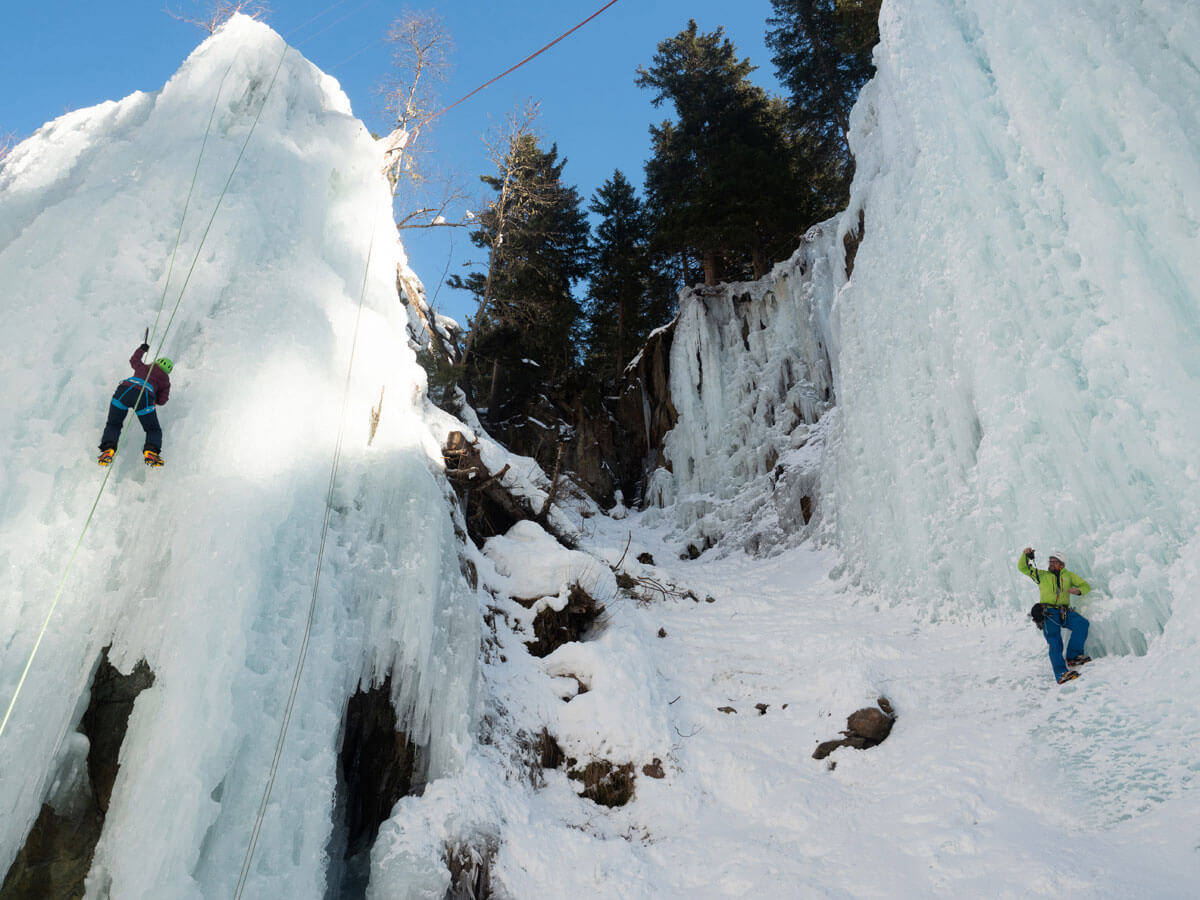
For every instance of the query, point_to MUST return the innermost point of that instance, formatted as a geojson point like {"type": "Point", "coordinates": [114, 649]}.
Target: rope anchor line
{"type": "Point", "coordinates": [161, 341]}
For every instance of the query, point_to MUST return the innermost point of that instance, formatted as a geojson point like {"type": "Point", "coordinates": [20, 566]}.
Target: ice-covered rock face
{"type": "Point", "coordinates": [750, 378]}
{"type": "Point", "coordinates": [1016, 357]}
{"type": "Point", "coordinates": [1019, 343]}
{"type": "Point", "coordinates": [207, 568]}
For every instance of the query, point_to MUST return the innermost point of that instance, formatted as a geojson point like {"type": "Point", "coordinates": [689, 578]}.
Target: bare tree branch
{"type": "Point", "coordinates": [420, 60]}
{"type": "Point", "coordinates": [215, 13]}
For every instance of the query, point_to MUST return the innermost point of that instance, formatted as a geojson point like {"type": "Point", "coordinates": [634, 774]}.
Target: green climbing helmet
{"type": "Point", "coordinates": [165, 364]}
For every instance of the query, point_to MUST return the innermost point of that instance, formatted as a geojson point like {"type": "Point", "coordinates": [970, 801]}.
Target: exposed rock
{"type": "Point", "coordinates": [645, 559]}
{"type": "Point", "coordinates": [106, 720]}
{"type": "Point", "coordinates": [377, 765]}
{"type": "Point", "coordinates": [470, 868]}
{"type": "Point", "coordinates": [654, 769]}
{"type": "Point", "coordinates": [865, 728]}
{"type": "Point", "coordinates": [762, 708]}
{"type": "Point", "coordinates": [58, 851]}
{"type": "Point", "coordinates": [727, 710]}
{"type": "Point", "coordinates": [604, 782]}
{"type": "Point", "coordinates": [870, 723]}
{"type": "Point", "coordinates": [825, 748]}
{"type": "Point", "coordinates": [553, 628]}
{"type": "Point", "coordinates": [662, 632]}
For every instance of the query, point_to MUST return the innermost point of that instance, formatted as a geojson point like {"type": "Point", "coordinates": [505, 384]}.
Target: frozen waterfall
{"type": "Point", "coordinates": [206, 569]}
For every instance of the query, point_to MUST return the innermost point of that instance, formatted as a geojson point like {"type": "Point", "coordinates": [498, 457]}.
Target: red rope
{"type": "Point", "coordinates": [521, 63]}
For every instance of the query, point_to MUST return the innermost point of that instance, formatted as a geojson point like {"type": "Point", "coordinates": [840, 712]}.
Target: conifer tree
{"type": "Point", "coordinates": [627, 297]}
{"type": "Point", "coordinates": [526, 330]}
{"type": "Point", "coordinates": [823, 54]}
{"type": "Point", "coordinates": [717, 173]}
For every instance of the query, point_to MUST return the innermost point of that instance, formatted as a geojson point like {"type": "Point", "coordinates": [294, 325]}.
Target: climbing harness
{"type": "Point", "coordinates": [119, 403]}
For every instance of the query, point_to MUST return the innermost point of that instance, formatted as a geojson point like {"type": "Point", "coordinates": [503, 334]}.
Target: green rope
{"type": "Point", "coordinates": [108, 472]}
{"type": "Point", "coordinates": [224, 190]}
{"type": "Point", "coordinates": [188, 202]}
{"type": "Point", "coordinates": [312, 607]}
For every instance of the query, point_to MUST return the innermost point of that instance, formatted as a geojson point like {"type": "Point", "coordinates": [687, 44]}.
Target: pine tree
{"type": "Point", "coordinates": [627, 297]}
{"type": "Point", "coordinates": [823, 55]}
{"type": "Point", "coordinates": [526, 330]}
{"type": "Point", "coordinates": [717, 173]}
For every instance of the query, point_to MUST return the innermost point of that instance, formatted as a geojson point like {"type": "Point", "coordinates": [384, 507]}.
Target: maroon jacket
{"type": "Point", "coordinates": [157, 378]}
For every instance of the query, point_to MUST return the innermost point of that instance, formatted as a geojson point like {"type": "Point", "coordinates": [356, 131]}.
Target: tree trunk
{"type": "Point", "coordinates": [494, 393]}
{"type": "Point", "coordinates": [622, 307]}
{"type": "Point", "coordinates": [710, 268]}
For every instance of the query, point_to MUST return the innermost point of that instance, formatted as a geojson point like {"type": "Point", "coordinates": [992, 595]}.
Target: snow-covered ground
{"type": "Point", "coordinates": [994, 782]}
{"type": "Point", "coordinates": [1013, 362]}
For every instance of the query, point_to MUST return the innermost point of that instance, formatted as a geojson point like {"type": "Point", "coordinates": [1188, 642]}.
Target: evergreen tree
{"type": "Point", "coordinates": [627, 298]}
{"type": "Point", "coordinates": [720, 181]}
{"type": "Point", "coordinates": [823, 55]}
{"type": "Point", "coordinates": [526, 330]}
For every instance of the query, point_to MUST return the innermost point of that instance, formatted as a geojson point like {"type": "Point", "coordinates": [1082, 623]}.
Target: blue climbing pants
{"type": "Point", "coordinates": [123, 399]}
{"type": "Point", "coordinates": [1052, 627]}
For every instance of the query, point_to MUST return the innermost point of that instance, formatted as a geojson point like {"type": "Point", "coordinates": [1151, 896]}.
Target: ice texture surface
{"type": "Point", "coordinates": [206, 568]}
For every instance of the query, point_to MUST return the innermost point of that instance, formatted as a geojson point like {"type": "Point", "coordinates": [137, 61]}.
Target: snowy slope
{"type": "Point", "coordinates": [206, 568]}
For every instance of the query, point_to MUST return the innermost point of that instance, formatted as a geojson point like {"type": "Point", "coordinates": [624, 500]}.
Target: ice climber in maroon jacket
{"type": "Point", "coordinates": [149, 387]}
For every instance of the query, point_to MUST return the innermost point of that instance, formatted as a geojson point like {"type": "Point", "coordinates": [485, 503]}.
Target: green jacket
{"type": "Point", "coordinates": [1056, 589]}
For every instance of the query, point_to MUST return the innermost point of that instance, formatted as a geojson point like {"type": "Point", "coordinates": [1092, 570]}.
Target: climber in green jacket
{"type": "Point", "coordinates": [1057, 585]}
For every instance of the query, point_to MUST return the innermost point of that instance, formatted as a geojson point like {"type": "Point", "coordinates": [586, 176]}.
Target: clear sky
{"type": "Point", "coordinates": [57, 55]}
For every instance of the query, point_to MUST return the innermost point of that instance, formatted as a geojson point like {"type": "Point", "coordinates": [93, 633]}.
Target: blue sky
{"type": "Point", "coordinates": [57, 55]}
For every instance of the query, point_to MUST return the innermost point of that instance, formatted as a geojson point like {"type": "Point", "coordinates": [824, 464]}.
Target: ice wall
{"type": "Point", "coordinates": [207, 568]}
{"type": "Point", "coordinates": [750, 379]}
{"type": "Point", "coordinates": [1019, 343]}
{"type": "Point", "coordinates": [1016, 356]}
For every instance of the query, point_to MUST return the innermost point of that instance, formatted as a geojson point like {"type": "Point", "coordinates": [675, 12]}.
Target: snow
{"type": "Point", "coordinates": [1011, 361]}
{"type": "Point", "coordinates": [206, 568]}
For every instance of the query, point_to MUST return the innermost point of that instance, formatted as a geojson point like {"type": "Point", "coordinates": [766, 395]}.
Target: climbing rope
{"type": "Point", "coordinates": [108, 472]}
{"type": "Point", "coordinates": [312, 607]}
{"type": "Point", "coordinates": [188, 202]}
{"type": "Point", "coordinates": [512, 69]}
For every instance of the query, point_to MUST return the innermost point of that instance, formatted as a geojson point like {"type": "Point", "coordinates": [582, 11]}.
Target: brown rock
{"type": "Point", "coordinates": [825, 748]}
{"type": "Point", "coordinates": [870, 723]}
{"type": "Point", "coordinates": [654, 769]}
{"type": "Point", "coordinates": [727, 710]}
{"type": "Point", "coordinates": [605, 782]}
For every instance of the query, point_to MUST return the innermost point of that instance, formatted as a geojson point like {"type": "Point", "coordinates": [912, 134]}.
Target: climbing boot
{"type": "Point", "coordinates": [1078, 660]}
{"type": "Point", "coordinates": [106, 456]}
{"type": "Point", "coordinates": [152, 459]}
{"type": "Point", "coordinates": [1067, 676]}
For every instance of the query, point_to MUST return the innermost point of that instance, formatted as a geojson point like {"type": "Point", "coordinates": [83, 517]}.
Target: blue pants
{"type": "Point", "coordinates": [1052, 627]}
{"type": "Point", "coordinates": [126, 394]}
